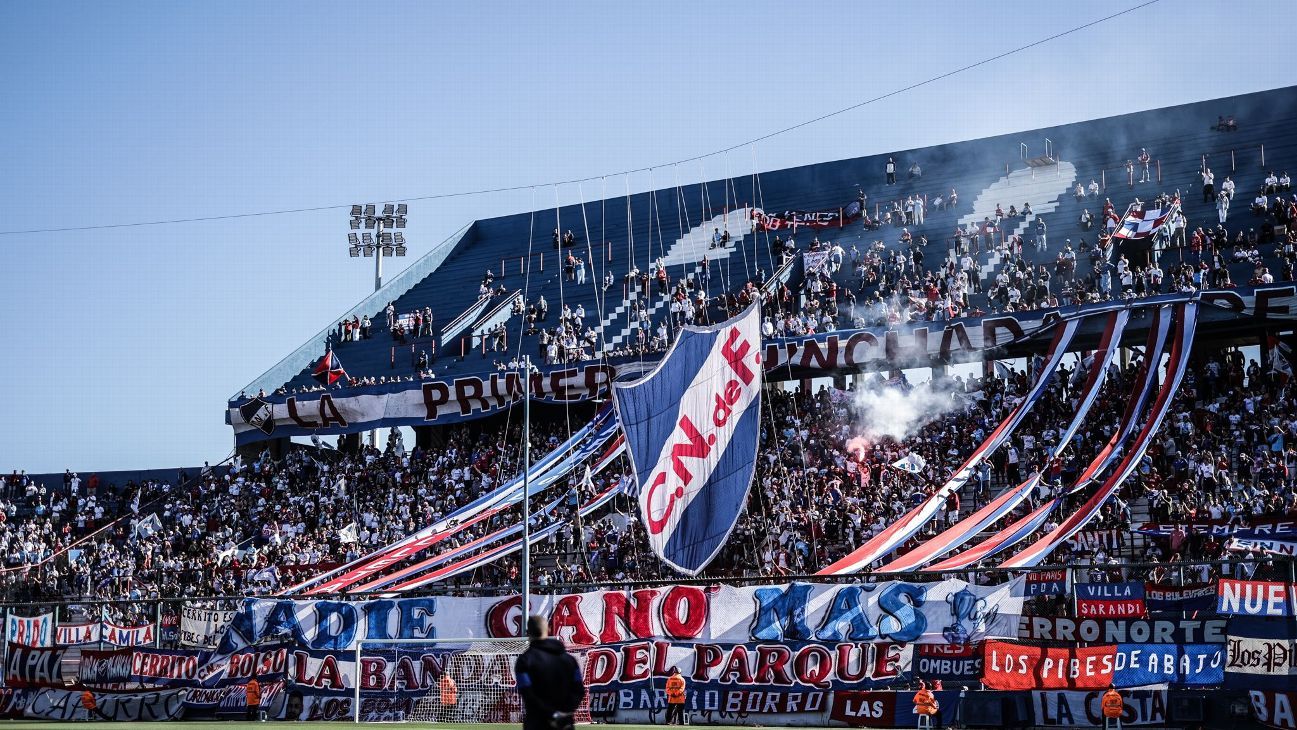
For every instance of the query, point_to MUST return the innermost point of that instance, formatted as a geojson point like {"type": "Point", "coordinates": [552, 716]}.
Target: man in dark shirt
{"type": "Point", "coordinates": [549, 680]}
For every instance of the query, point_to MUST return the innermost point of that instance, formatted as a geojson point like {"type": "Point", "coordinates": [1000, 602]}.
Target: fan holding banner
{"type": "Point", "coordinates": [692, 428]}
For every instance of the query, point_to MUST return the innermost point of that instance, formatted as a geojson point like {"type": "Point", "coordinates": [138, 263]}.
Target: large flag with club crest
{"type": "Point", "coordinates": [692, 426]}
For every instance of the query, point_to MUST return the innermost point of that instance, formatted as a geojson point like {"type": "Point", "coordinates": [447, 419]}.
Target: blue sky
{"type": "Point", "coordinates": [123, 344]}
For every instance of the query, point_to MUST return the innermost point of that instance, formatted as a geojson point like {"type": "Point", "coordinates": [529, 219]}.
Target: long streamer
{"type": "Point", "coordinates": [1186, 325]}
{"type": "Point", "coordinates": [970, 526]}
{"type": "Point", "coordinates": [914, 520]}
{"type": "Point", "coordinates": [513, 546]}
{"type": "Point", "coordinates": [1021, 529]}
{"type": "Point", "coordinates": [553, 466]}
{"type": "Point", "coordinates": [481, 542]}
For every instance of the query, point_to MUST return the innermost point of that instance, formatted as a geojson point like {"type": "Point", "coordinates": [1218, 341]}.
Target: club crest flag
{"type": "Point", "coordinates": [692, 426]}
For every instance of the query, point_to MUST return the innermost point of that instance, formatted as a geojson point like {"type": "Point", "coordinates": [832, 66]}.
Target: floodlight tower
{"type": "Point", "coordinates": [382, 241]}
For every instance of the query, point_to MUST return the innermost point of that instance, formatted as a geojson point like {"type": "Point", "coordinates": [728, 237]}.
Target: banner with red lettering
{"type": "Point", "coordinates": [128, 635]}
{"type": "Point", "coordinates": [939, 612]}
{"type": "Point", "coordinates": [692, 428]}
{"type": "Point", "coordinates": [75, 634]}
{"type": "Point", "coordinates": [30, 630]}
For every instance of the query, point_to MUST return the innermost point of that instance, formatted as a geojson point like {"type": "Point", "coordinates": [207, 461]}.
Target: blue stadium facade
{"type": "Point", "coordinates": [676, 225]}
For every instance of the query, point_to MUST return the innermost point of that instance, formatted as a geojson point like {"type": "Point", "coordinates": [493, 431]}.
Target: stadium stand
{"type": "Point", "coordinates": [618, 239]}
{"type": "Point", "coordinates": [264, 519]}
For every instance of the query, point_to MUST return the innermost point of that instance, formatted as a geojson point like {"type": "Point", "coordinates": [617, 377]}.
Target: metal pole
{"type": "Point", "coordinates": [157, 626]}
{"type": "Point", "coordinates": [378, 284]}
{"type": "Point", "coordinates": [525, 573]}
{"type": "Point", "coordinates": [378, 258]}
{"type": "Point", "coordinates": [355, 700]}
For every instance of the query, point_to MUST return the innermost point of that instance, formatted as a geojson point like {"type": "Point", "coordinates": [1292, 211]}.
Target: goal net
{"type": "Point", "coordinates": [443, 681]}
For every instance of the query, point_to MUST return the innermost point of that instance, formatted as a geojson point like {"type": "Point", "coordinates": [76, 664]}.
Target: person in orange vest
{"type": "Point", "coordinates": [1112, 706]}
{"type": "Point", "coordinates": [925, 705]}
{"type": "Point", "coordinates": [253, 690]}
{"type": "Point", "coordinates": [449, 696]}
{"type": "Point", "coordinates": [88, 702]}
{"type": "Point", "coordinates": [675, 697]}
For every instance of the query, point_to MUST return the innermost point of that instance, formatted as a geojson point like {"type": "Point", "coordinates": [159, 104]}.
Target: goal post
{"type": "Point", "coordinates": [445, 681]}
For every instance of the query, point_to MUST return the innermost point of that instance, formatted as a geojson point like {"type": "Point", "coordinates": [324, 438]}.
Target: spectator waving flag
{"type": "Point", "coordinates": [1143, 223]}
{"type": "Point", "coordinates": [692, 428]}
{"type": "Point", "coordinates": [329, 369]}
{"type": "Point", "coordinates": [912, 463]}
{"type": "Point", "coordinates": [348, 534]}
{"type": "Point", "coordinates": [148, 526]}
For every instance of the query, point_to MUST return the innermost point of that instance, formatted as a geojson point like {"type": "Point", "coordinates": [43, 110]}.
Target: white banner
{"type": "Point", "coordinates": [813, 260]}
{"type": "Point", "coordinates": [201, 628]}
{"type": "Point", "coordinates": [31, 630]}
{"type": "Point", "coordinates": [74, 634]}
{"type": "Point", "coordinates": [128, 635]}
{"type": "Point", "coordinates": [946, 612]}
{"type": "Point", "coordinates": [1083, 709]}
{"type": "Point", "coordinates": [66, 705]}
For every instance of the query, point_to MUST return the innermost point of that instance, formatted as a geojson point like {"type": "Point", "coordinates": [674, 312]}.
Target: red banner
{"type": "Point", "coordinates": [864, 709]}
{"type": "Point", "coordinates": [1009, 666]}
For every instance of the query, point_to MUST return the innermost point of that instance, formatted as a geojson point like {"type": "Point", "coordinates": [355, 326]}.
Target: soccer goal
{"type": "Point", "coordinates": [441, 681]}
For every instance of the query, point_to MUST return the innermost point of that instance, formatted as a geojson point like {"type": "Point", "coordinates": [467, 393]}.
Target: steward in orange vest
{"type": "Point", "coordinates": [925, 703]}
{"type": "Point", "coordinates": [449, 692]}
{"type": "Point", "coordinates": [1112, 707]}
{"type": "Point", "coordinates": [675, 697]}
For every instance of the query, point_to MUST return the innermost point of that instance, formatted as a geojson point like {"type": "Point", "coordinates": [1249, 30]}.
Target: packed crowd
{"type": "Point", "coordinates": [823, 485]}
{"type": "Point", "coordinates": [1010, 261]}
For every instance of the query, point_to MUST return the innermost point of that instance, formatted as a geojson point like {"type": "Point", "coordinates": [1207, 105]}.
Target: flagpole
{"type": "Point", "coordinates": [525, 573]}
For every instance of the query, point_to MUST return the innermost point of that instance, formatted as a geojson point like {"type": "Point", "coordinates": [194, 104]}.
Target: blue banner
{"type": "Point", "coordinates": [692, 426]}
{"type": "Point", "coordinates": [1183, 665]}
{"type": "Point", "coordinates": [1196, 597]}
{"type": "Point", "coordinates": [1046, 583]}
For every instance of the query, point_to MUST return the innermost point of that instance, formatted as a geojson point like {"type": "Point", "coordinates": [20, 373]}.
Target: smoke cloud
{"type": "Point", "coordinates": [891, 412]}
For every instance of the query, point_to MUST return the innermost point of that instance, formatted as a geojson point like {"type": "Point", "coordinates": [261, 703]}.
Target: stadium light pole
{"type": "Point", "coordinates": [382, 242]}
{"type": "Point", "coordinates": [525, 573]}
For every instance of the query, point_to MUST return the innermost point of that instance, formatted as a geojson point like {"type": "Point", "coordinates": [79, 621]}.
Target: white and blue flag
{"type": "Point", "coordinates": [911, 463]}
{"type": "Point", "coordinates": [692, 426]}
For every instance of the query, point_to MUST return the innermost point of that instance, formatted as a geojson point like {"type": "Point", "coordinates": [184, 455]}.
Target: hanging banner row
{"type": "Point", "coordinates": [351, 410]}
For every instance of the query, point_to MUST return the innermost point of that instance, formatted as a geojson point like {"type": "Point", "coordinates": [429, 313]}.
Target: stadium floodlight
{"type": "Point", "coordinates": [377, 240]}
